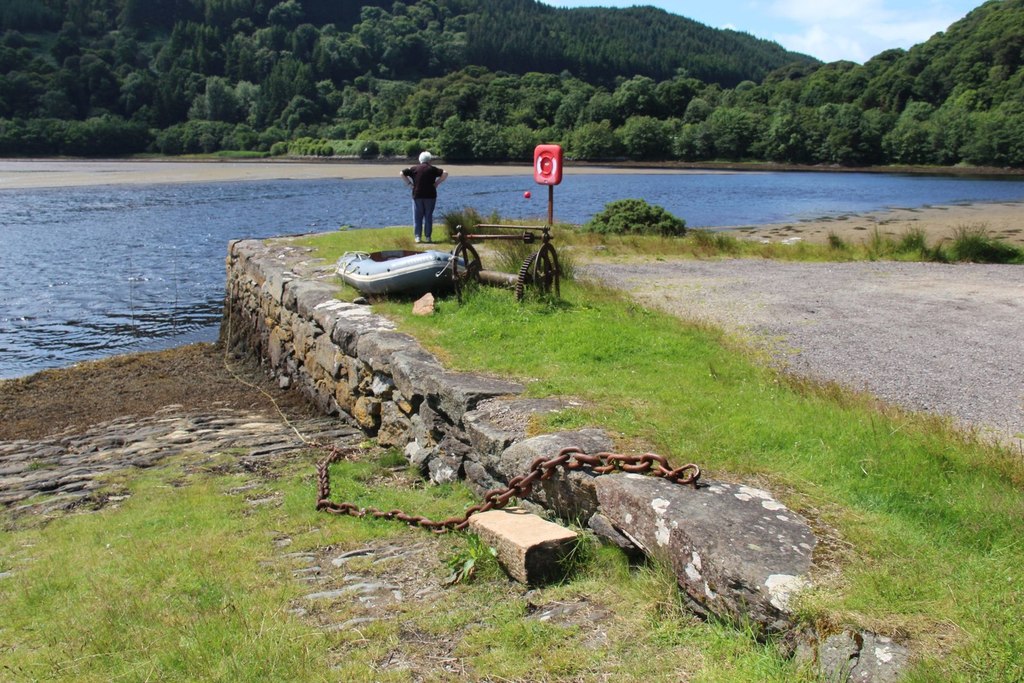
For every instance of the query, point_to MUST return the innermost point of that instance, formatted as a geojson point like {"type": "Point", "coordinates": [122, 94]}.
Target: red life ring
{"type": "Point", "coordinates": [547, 164]}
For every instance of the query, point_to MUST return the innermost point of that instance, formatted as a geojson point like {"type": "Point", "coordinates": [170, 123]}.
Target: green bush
{"type": "Point", "coordinates": [392, 148]}
{"type": "Point", "coordinates": [413, 148]}
{"type": "Point", "coordinates": [635, 217]}
{"type": "Point", "coordinates": [370, 150]}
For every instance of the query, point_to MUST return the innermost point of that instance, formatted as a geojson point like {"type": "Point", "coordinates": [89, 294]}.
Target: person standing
{"type": "Point", "coordinates": [424, 179]}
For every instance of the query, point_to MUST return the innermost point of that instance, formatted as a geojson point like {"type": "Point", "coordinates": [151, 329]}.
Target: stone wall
{"type": "Point", "coordinates": [738, 553]}
{"type": "Point", "coordinates": [282, 307]}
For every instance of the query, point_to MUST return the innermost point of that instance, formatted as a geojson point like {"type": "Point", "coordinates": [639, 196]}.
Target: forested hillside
{"type": "Point", "coordinates": [489, 80]}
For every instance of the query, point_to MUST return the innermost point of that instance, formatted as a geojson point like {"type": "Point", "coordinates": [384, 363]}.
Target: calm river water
{"type": "Point", "coordinates": [92, 272]}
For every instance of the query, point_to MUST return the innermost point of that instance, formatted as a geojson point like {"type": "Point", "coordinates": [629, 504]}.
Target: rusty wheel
{"type": "Point", "coordinates": [540, 270]}
{"type": "Point", "coordinates": [524, 276]}
{"type": "Point", "coordinates": [546, 270]}
{"type": "Point", "coordinates": [466, 266]}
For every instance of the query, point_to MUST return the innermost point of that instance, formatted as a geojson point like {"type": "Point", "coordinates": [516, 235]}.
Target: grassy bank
{"type": "Point", "coordinates": [191, 577]}
{"type": "Point", "coordinates": [970, 244]}
{"type": "Point", "coordinates": [920, 524]}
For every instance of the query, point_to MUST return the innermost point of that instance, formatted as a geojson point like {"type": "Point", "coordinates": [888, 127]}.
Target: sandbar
{"type": "Point", "coordinates": [1002, 220]}
{"type": "Point", "coordinates": [40, 173]}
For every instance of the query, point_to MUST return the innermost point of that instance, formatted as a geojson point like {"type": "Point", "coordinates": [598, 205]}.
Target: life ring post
{"type": "Point", "coordinates": [551, 205]}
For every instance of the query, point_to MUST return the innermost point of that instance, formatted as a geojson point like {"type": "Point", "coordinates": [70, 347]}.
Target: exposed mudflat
{"type": "Point", "coordinates": [196, 377]}
{"type": "Point", "coordinates": [944, 339]}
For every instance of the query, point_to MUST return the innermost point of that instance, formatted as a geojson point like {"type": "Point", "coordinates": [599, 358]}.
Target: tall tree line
{"type": "Point", "coordinates": [489, 80]}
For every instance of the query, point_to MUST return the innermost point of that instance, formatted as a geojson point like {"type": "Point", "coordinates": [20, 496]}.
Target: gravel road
{"type": "Point", "coordinates": [945, 339]}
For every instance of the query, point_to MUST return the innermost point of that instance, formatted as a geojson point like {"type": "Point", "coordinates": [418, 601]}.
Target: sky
{"type": "Point", "coordinates": [854, 30]}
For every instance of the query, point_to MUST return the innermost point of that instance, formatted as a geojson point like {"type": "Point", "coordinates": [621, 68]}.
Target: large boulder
{"type": "Point", "coordinates": [737, 552]}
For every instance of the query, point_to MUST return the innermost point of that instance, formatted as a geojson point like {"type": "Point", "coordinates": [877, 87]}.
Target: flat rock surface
{"type": "Point", "coordinates": [944, 339]}
{"type": "Point", "coordinates": [67, 469]}
{"type": "Point", "coordinates": [735, 549]}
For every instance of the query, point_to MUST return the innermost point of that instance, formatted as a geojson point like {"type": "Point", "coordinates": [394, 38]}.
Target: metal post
{"type": "Point", "coordinates": [551, 205]}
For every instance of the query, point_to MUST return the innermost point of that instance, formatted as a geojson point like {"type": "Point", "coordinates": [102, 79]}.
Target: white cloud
{"type": "Point", "coordinates": [856, 29]}
{"type": "Point", "coordinates": [826, 45]}
{"type": "Point", "coordinates": [827, 11]}
{"type": "Point", "coordinates": [908, 32]}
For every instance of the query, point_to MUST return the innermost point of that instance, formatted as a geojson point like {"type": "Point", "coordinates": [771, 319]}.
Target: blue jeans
{"type": "Point", "coordinates": [423, 216]}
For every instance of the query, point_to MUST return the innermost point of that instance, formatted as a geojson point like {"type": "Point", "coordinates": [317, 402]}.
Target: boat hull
{"type": "Point", "coordinates": [397, 272]}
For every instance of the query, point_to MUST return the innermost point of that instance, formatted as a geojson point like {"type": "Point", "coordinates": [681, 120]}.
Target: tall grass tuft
{"type": "Point", "coordinates": [510, 256]}
{"type": "Point", "coordinates": [913, 240]}
{"type": "Point", "coordinates": [974, 244]}
{"type": "Point", "coordinates": [913, 244]}
{"type": "Point", "coordinates": [467, 217]}
{"type": "Point", "coordinates": [878, 246]}
{"type": "Point", "coordinates": [708, 242]}
{"type": "Point", "coordinates": [837, 243]}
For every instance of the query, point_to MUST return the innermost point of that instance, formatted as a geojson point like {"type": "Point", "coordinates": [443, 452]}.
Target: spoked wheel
{"type": "Point", "coordinates": [466, 266]}
{"type": "Point", "coordinates": [540, 270]}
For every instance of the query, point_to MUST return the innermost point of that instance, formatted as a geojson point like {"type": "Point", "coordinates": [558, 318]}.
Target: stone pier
{"type": "Point", "coordinates": [738, 553]}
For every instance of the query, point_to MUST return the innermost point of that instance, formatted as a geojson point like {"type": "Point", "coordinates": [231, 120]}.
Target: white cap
{"type": "Point", "coordinates": [425, 157]}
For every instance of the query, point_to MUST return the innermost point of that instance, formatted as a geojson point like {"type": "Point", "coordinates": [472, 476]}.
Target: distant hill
{"type": "Point", "coordinates": [516, 36]}
{"type": "Point", "coordinates": [977, 63]}
{"type": "Point", "coordinates": [598, 44]}
{"type": "Point", "coordinates": [489, 80]}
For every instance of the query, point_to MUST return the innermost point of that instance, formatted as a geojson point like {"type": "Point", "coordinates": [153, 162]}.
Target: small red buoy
{"type": "Point", "coordinates": [527, 195]}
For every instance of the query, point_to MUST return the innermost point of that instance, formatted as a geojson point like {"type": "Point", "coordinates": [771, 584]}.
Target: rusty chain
{"type": "Point", "coordinates": [569, 459]}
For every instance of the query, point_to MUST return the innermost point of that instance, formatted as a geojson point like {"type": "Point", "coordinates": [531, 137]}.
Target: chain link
{"type": "Point", "coordinates": [569, 459]}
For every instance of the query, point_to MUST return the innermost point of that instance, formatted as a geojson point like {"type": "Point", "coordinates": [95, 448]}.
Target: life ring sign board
{"type": "Point", "coordinates": [547, 164]}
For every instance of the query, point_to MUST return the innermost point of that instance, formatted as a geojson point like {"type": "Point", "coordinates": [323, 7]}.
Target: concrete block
{"type": "Point", "coordinates": [530, 549]}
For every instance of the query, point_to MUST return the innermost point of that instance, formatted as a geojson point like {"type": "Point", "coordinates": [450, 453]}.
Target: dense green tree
{"type": "Point", "coordinates": [456, 139]}
{"type": "Point", "coordinates": [734, 131]}
{"type": "Point", "coordinates": [786, 136]}
{"type": "Point", "coordinates": [910, 140]}
{"type": "Point", "coordinates": [675, 95]}
{"type": "Point", "coordinates": [697, 110]}
{"type": "Point", "coordinates": [953, 128]}
{"type": "Point", "coordinates": [997, 140]}
{"type": "Point", "coordinates": [489, 79]}
{"type": "Point", "coordinates": [28, 15]}
{"type": "Point", "coordinates": [601, 107]}
{"type": "Point", "coordinates": [219, 102]}
{"type": "Point", "coordinates": [636, 97]}
{"type": "Point", "coordinates": [593, 140]}
{"type": "Point", "coordinates": [847, 140]}
{"type": "Point", "coordinates": [644, 137]}
{"type": "Point", "coordinates": [693, 142]}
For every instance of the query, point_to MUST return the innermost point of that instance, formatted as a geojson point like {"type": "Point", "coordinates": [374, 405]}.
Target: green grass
{"type": "Point", "coordinates": [920, 524]}
{"type": "Point", "coordinates": [920, 528]}
{"type": "Point", "coordinates": [182, 582]}
{"type": "Point", "coordinates": [166, 586]}
{"type": "Point", "coordinates": [332, 246]}
{"type": "Point", "coordinates": [969, 244]}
